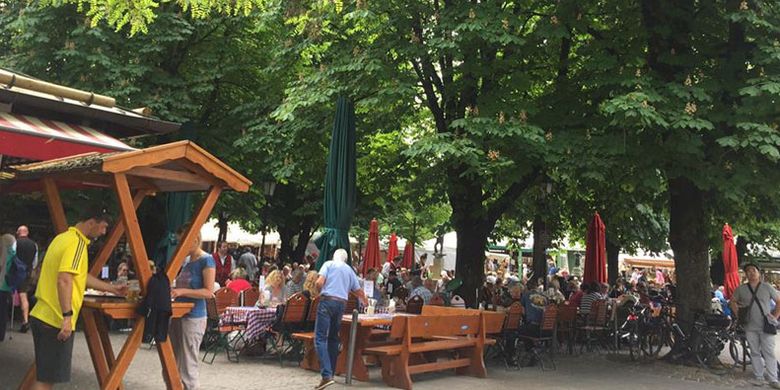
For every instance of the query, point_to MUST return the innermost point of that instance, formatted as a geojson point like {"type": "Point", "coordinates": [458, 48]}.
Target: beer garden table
{"type": "Point", "coordinates": [366, 322]}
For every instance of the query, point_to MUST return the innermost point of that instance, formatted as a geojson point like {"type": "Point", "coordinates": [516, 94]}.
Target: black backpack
{"type": "Point", "coordinates": [17, 273]}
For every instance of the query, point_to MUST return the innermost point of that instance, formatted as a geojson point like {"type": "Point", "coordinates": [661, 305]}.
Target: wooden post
{"type": "Point", "coordinates": [92, 334]}
{"type": "Point", "coordinates": [168, 361]}
{"type": "Point", "coordinates": [134, 237]}
{"type": "Point", "coordinates": [189, 238]}
{"type": "Point", "coordinates": [54, 202]}
{"type": "Point", "coordinates": [126, 355]}
{"type": "Point", "coordinates": [113, 238]}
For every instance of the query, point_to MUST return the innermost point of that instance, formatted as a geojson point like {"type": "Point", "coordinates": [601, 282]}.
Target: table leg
{"type": "Point", "coordinates": [94, 343]}
{"type": "Point", "coordinates": [170, 369]}
{"type": "Point", "coordinates": [359, 369]}
{"type": "Point", "coordinates": [310, 360]}
{"type": "Point", "coordinates": [29, 378]}
{"type": "Point", "coordinates": [105, 341]}
{"type": "Point", "coordinates": [126, 355]}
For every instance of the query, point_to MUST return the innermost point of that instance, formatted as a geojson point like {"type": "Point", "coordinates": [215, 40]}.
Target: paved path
{"type": "Point", "coordinates": [590, 371]}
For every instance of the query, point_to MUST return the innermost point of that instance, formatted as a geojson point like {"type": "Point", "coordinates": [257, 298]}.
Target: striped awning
{"type": "Point", "coordinates": [43, 139]}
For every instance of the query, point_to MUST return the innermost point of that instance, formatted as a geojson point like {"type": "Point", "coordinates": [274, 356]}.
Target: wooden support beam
{"type": "Point", "coordinates": [113, 237]}
{"type": "Point", "coordinates": [168, 361]}
{"type": "Point", "coordinates": [169, 174]}
{"type": "Point", "coordinates": [189, 238]}
{"type": "Point", "coordinates": [92, 334]}
{"type": "Point", "coordinates": [126, 355]}
{"type": "Point", "coordinates": [134, 237]}
{"type": "Point", "coordinates": [53, 200]}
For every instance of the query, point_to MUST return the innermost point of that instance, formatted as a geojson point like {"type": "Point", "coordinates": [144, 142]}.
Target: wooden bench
{"type": "Point", "coordinates": [494, 321]}
{"type": "Point", "coordinates": [462, 337]}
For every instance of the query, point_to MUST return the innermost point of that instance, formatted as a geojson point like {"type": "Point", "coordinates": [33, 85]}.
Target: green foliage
{"type": "Point", "coordinates": [139, 14]}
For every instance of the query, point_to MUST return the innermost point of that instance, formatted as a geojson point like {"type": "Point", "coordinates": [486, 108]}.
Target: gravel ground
{"type": "Point", "coordinates": [588, 371]}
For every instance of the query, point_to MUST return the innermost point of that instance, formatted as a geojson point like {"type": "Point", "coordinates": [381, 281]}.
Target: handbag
{"type": "Point", "coordinates": [769, 328]}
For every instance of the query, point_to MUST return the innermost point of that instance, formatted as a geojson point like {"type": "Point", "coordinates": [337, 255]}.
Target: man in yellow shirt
{"type": "Point", "coordinates": [64, 278]}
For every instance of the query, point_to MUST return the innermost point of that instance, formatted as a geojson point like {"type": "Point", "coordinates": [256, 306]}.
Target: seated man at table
{"type": "Point", "coordinates": [419, 289]}
{"type": "Point", "coordinates": [336, 281]}
{"type": "Point", "coordinates": [534, 303]}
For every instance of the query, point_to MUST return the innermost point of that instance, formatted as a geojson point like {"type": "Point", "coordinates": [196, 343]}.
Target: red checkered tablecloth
{"type": "Point", "coordinates": [257, 320]}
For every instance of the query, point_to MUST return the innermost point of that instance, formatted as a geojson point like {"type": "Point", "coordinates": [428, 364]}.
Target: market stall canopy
{"type": "Point", "coordinates": [34, 138]}
{"type": "Point", "coordinates": [25, 95]}
{"type": "Point", "coordinates": [645, 262]}
{"type": "Point", "coordinates": [178, 166]}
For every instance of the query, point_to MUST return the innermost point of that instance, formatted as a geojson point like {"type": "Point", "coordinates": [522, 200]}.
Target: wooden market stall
{"type": "Point", "coordinates": [132, 175]}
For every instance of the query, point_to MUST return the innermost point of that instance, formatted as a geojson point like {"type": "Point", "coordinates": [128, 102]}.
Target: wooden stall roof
{"type": "Point", "coordinates": [178, 166]}
{"type": "Point", "coordinates": [648, 262]}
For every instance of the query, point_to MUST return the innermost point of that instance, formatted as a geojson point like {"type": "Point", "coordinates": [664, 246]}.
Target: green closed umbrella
{"type": "Point", "coordinates": [340, 180]}
{"type": "Point", "coordinates": [178, 209]}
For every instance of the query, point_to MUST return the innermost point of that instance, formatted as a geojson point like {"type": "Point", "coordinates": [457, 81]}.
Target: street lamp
{"type": "Point", "coordinates": [268, 191]}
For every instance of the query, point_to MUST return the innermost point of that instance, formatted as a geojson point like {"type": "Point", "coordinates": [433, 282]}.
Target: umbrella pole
{"type": "Point", "coordinates": [351, 350]}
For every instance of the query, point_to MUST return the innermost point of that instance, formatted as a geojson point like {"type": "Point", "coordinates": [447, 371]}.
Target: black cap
{"type": "Point", "coordinates": [751, 264]}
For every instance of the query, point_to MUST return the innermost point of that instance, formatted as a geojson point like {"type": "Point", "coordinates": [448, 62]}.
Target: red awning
{"type": "Point", "coordinates": [42, 139]}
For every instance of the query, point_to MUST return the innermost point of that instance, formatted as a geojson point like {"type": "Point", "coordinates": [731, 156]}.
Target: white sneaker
{"type": "Point", "coordinates": [756, 382]}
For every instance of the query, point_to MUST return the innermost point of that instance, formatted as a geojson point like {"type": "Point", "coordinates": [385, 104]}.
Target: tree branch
{"type": "Point", "coordinates": [511, 194]}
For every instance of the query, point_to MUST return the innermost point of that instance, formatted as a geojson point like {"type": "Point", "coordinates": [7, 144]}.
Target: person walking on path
{"type": "Point", "coordinates": [754, 298]}
{"type": "Point", "coordinates": [6, 256]}
{"type": "Point", "coordinates": [27, 251]}
{"type": "Point", "coordinates": [64, 278]}
{"type": "Point", "coordinates": [336, 281]}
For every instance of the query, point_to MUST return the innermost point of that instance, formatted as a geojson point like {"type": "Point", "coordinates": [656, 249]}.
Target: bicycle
{"type": "Point", "coordinates": [708, 336]}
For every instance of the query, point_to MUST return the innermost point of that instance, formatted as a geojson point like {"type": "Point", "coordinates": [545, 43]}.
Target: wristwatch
{"type": "Point", "coordinates": [68, 313]}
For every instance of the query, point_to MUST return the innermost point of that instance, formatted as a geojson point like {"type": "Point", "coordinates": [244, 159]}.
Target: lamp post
{"type": "Point", "coordinates": [268, 191]}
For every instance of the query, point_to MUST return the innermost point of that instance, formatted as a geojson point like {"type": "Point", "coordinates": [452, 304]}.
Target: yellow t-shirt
{"type": "Point", "coordinates": [67, 253]}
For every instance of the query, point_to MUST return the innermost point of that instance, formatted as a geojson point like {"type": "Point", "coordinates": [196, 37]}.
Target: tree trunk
{"type": "Point", "coordinates": [742, 249]}
{"type": "Point", "coordinates": [470, 261]}
{"type": "Point", "coordinates": [286, 235]}
{"type": "Point", "coordinates": [541, 243]}
{"type": "Point", "coordinates": [222, 224]}
{"type": "Point", "coordinates": [688, 237]}
{"type": "Point", "coordinates": [299, 253]}
{"type": "Point", "coordinates": [613, 255]}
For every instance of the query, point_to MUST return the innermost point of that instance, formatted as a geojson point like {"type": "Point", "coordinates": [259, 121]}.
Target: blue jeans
{"type": "Point", "coordinates": [326, 335]}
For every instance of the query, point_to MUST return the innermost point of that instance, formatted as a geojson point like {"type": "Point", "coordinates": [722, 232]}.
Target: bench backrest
{"type": "Point", "coordinates": [447, 311]}
{"type": "Point", "coordinates": [295, 309]}
{"type": "Point", "coordinates": [430, 326]}
{"type": "Point", "coordinates": [414, 305]}
{"type": "Point", "coordinates": [225, 297]}
{"type": "Point", "coordinates": [514, 314]}
{"type": "Point", "coordinates": [494, 322]}
{"type": "Point", "coordinates": [251, 296]}
{"type": "Point", "coordinates": [311, 315]}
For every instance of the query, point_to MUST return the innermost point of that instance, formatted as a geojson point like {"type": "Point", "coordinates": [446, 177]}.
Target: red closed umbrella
{"type": "Point", "coordinates": [371, 255]}
{"type": "Point", "coordinates": [595, 252]}
{"type": "Point", "coordinates": [392, 248]}
{"type": "Point", "coordinates": [730, 263]}
{"type": "Point", "coordinates": [408, 261]}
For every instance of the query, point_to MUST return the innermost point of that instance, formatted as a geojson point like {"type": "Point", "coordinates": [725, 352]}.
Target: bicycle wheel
{"type": "Point", "coordinates": [706, 352]}
{"type": "Point", "coordinates": [633, 341]}
{"type": "Point", "coordinates": [739, 350]}
{"type": "Point", "coordinates": [652, 341]}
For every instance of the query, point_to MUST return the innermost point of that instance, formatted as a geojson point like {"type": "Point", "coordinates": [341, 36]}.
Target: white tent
{"type": "Point", "coordinates": [209, 232]}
